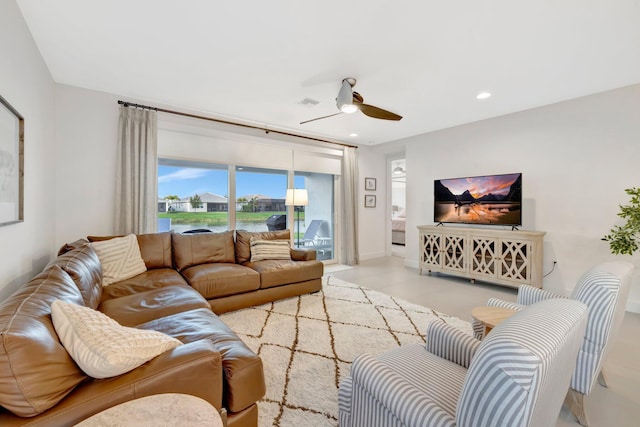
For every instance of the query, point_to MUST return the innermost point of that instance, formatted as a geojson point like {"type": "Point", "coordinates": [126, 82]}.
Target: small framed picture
{"type": "Point", "coordinates": [369, 201]}
{"type": "Point", "coordinates": [370, 184]}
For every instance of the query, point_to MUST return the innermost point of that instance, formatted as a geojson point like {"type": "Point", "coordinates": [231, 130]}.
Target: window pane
{"type": "Point", "coordinates": [260, 199]}
{"type": "Point", "coordinates": [192, 196]}
{"type": "Point", "coordinates": [315, 228]}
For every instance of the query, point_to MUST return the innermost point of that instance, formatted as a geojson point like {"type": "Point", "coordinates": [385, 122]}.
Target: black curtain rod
{"type": "Point", "coordinates": [226, 122]}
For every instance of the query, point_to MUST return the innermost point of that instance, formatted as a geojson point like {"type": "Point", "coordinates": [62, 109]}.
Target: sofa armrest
{"type": "Point", "coordinates": [194, 368]}
{"type": "Point", "coordinates": [497, 302]}
{"type": "Point", "coordinates": [393, 392]}
{"type": "Point", "coordinates": [528, 295]}
{"type": "Point", "coordinates": [71, 246]}
{"type": "Point", "coordinates": [451, 344]}
{"type": "Point", "coordinates": [303, 254]}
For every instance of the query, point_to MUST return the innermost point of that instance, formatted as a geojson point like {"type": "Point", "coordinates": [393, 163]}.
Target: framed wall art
{"type": "Point", "coordinates": [11, 164]}
{"type": "Point", "coordinates": [370, 184]}
{"type": "Point", "coordinates": [369, 201]}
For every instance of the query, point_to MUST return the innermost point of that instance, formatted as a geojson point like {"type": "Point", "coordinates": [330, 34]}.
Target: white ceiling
{"type": "Point", "coordinates": [255, 60]}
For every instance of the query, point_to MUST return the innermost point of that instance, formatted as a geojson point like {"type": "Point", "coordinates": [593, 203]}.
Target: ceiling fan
{"type": "Point", "coordinates": [350, 101]}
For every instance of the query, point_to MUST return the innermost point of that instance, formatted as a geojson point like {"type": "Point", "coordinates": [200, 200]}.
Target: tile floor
{"type": "Point", "coordinates": [618, 405]}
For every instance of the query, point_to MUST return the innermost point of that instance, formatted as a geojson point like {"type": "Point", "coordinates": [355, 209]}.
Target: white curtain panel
{"type": "Point", "coordinates": [137, 174]}
{"type": "Point", "coordinates": [349, 229]}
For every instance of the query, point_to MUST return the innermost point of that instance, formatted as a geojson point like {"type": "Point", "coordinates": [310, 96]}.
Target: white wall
{"type": "Point", "coordinates": [577, 157]}
{"type": "Point", "coordinates": [87, 124]}
{"type": "Point", "coordinates": [372, 222]}
{"type": "Point", "coordinates": [27, 85]}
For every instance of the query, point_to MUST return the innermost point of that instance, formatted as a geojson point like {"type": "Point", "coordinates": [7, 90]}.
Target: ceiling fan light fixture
{"type": "Point", "coordinates": [348, 108]}
{"type": "Point", "coordinates": [398, 172]}
{"type": "Point", "coordinates": [344, 101]}
{"type": "Point", "coordinates": [348, 101]}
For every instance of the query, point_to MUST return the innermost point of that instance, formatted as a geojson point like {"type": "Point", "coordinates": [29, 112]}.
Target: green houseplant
{"type": "Point", "coordinates": [624, 239]}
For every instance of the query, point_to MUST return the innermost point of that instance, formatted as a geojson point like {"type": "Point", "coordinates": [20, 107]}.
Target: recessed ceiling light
{"type": "Point", "coordinates": [353, 134]}
{"type": "Point", "coordinates": [483, 95]}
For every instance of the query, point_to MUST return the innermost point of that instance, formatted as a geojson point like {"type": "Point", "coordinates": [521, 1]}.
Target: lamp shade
{"type": "Point", "coordinates": [297, 197]}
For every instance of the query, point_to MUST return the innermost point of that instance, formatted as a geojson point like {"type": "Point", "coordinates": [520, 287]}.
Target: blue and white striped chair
{"type": "Point", "coordinates": [604, 289]}
{"type": "Point", "coordinates": [517, 376]}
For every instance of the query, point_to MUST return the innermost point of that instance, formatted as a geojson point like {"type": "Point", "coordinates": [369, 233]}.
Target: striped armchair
{"type": "Point", "coordinates": [517, 376]}
{"type": "Point", "coordinates": [604, 289]}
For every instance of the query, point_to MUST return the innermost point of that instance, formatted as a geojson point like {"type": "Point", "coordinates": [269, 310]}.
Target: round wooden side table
{"type": "Point", "coordinates": [168, 409]}
{"type": "Point", "coordinates": [490, 316]}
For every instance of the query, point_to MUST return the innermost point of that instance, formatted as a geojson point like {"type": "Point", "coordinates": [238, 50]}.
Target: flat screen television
{"type": "Point", "coordinates": [489, 199]}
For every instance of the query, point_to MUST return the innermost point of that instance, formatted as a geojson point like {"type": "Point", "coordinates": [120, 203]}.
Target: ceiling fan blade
{"type": "Point", "coordinates": [318, 118]}
{"type": "Point", "coordinates": [377, 113]}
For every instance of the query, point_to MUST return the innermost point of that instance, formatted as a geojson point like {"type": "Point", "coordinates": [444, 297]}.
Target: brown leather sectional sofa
{"type": "Point", "coordinates": [189, 278]}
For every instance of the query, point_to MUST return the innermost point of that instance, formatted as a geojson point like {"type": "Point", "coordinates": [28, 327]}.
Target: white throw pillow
{"type": "Point", "coordinates": [270, 249]}
{"type": "Point", "coordinates": [120, 258]}
{"type": "Point", "coordinates": [102, 347]}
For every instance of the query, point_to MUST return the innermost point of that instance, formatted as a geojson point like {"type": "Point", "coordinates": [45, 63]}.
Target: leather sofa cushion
{"type": "Point", "coordinates": [142, 307]}
{"type": "Point", "coordinates": [243, 241]}
{"type": "Point", "coordinates": [221, 279]}
{"type": "Point", "coordinates": [282, 272]}
{"type": "Point", "coordinates": [303, 254]}
{"type": "Point", "coordinates": [83, 265]}
{"type": "Point", "coordinates": [243, 373]}
{"type": "Point", "coordinates": [155, 248]}
{"type": "Point", "coordinates": [196, 249]}
{"type": "Point", "coordinates": [28, 339]}
{"type": "Point", "coordinates": [150, 279]}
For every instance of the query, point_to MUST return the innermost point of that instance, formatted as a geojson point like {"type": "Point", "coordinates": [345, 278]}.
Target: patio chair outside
{"type": "Point", "coordinates": [317, 236]}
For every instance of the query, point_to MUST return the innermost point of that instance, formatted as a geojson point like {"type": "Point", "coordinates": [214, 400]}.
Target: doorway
{"type": "Point", "coordinates": [398, 175]}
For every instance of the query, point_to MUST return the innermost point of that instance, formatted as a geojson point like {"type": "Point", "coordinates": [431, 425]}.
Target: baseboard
{"type": "Point", "coordinates": [633, 306]}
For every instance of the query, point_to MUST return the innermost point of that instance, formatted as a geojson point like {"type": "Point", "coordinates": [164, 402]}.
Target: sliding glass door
{"type": "Point", "coordinates": [315, 227]}
{"type": "Point", "coordinates": [197, 196]}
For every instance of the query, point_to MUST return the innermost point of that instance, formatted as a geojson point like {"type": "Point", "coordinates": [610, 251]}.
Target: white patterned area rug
{"type": "Point", "coordinates": [307, 344]}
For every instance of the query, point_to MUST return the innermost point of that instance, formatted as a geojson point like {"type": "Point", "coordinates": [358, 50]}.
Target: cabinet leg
{"type": "Point", "coordinates": [473, 281]}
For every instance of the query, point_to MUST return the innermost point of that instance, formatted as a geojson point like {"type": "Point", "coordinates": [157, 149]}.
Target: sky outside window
{"type": "Point", "coordinates": [186, 181]}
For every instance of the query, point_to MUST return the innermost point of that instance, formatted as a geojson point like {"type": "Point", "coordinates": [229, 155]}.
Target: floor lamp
{"type": "Point", "coordinates": [297, 198]}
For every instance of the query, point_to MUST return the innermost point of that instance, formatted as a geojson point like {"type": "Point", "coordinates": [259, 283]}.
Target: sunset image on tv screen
{"type": "Point", "coordinates": [491, 199]}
